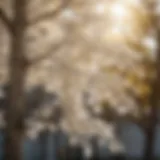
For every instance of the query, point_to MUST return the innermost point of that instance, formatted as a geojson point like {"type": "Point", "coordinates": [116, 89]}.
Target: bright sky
{"type": "Point", "coordinates": [122, 15]}
{"type": "Point", "coordinates": [119, 11]}
{"type": "Point", "coordinates": [124, 21]}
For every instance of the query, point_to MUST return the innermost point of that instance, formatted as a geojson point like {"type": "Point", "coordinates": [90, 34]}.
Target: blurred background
{"type": "Point", "coordinates": [79, 79]}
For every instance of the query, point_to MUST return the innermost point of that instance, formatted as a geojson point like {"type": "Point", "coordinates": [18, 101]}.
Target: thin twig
{"type": "Point", "coordinates": [52, 13]}
{"type": "Point", "coordinates": [7, 22]}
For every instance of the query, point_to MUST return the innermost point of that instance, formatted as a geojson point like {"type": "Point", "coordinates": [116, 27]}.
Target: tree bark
{"type": "Point", "coordinates": [17, 73]}
{"type": "Point", "coordinates": [149, 145]}
{"type": "Point", "coordinates": [154, 104]}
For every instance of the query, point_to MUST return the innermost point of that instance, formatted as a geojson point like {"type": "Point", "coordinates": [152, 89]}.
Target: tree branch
{"type": "Point", "coordinates": [50, 14]}
{"type": "Point", "coordinates": [56, 47]}
{"type": "Point", "coordinates": [7, 22]}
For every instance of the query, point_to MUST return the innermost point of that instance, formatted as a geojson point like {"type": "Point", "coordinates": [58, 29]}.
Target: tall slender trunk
{"type": "Point", "coordinates": [17, 74]}
{"type": "Point", "coordinates": [149, 145]}
{"type": "Point", "coordinates": [150, 131]}
{"type": "Point", "coordinates": [154, 104]}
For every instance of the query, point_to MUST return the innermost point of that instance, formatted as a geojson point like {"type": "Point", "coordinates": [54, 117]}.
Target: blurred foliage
{"type": "Point", "coordinates": [137, 26]}
{"type": "Point", "coordinates": [99, 50]}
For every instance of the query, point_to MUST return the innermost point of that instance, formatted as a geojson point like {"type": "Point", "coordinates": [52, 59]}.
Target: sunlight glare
{"type": "Point", "coordinates": [119, 11]}
{"type": "Point", "coordinates": [150, 43]}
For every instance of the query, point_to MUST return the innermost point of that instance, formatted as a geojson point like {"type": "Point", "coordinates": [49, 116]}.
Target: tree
{"type": "Point", "coordinates": [17, 74]}
{"type": "Point", "coordinates": [142, 86]}
{"type": "Point", "coordinates": [18, 67]}
{"type": "Point", "coordinates": [154, 97]}
{"type": "Point", "coordinates": [146, 90]}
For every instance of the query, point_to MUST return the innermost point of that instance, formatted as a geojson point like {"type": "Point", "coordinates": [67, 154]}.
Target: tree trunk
{"type": "Point", "coordinates": [17, 72]}
{"type": "Point", "coordinates": [152, 119]}
{"type": "Point", "coordinates": [149, 145]}
{"type": "Point", "coordinates": [154, 103]}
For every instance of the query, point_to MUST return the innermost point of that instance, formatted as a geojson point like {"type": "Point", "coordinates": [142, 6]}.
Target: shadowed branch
{"type": "Point", "coordinates": [7, 22]}
{"type": "Point", "coordinates": [52, 13]}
